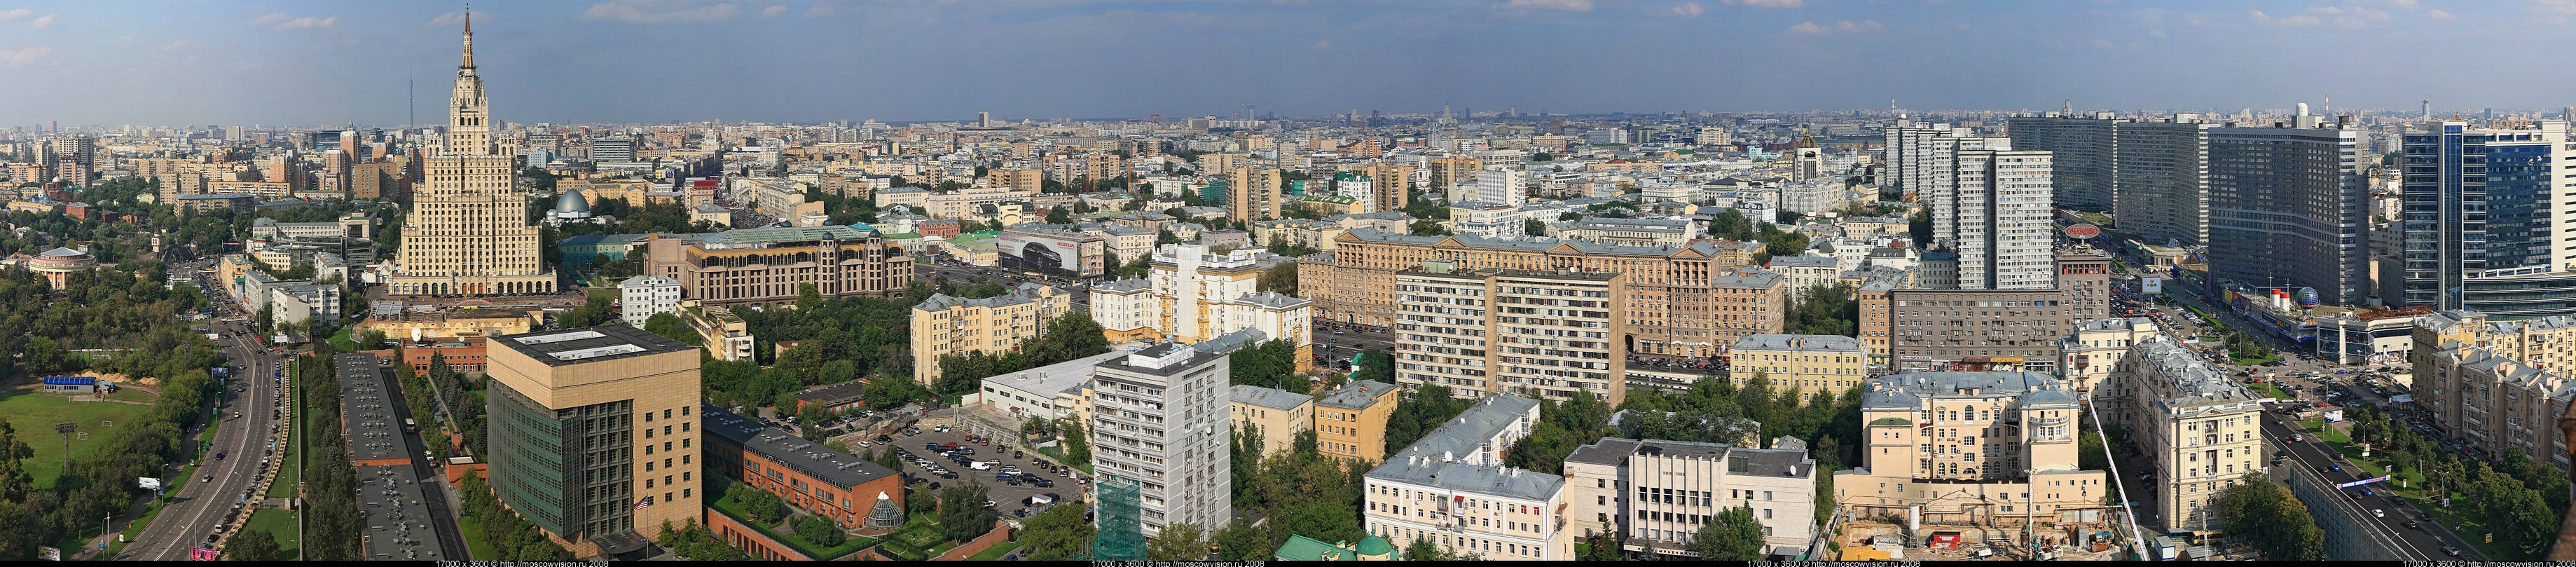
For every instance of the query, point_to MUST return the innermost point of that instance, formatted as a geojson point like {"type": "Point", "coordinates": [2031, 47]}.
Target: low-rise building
{"type": "Point", "coordinates": [771, 266]}
{"type": "Point", "coordinates": [1350, 422]}
{"type": "Point", "coordinates": [1660, 493]}
{"type": "Point", "coordinates": [1630, 232]}
{"type": "Point", "coordinates": [2101, 349]}
{"type": "Point", "coordinates": [1273, 417]}
{"type": "Point", "coordinates": [723, 334]}
{"type": "Point", "coordinates": [642, 297]}
{"type": "Point", "coordinates": [853, 492]}
{"type": "Point", "coordinates": [462, 355]}
{"type": "Point", "coordinates": [943, 325]}
{"type": "Point", "coordinates": [2372, 336]}
{"type": "Point", "coordinates": [1991, 448]}
{"type": "Point", "coordinates": [1451, 489]}
{"type": "Point", "coordinates": [1806, 364]}
{"type": "Point", "coordinates": [1054, 391]}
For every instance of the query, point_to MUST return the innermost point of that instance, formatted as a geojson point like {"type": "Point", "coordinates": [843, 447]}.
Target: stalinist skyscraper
{"type": "Point", "coordinates": [468, 231]}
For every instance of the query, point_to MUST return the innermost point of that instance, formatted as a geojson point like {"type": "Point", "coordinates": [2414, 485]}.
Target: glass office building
{"type": "Point", "coordinates": [2483, 227]}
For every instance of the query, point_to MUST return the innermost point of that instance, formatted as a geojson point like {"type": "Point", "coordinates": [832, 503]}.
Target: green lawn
{"type": "Point", "coordinates": [995, 552]}
{"type": "Point", "coordinates": [280, 523]}
{"type": "Point", "coordinates": [852, 545]}
{"type": "Point", "coordinates": [131, 395]}
{"type": "Point", "coordinates": [475, 547]}
{"type": "Point", "coordinates": [2269, 390]}
{"type": "Point", "coordinates": [341, 339]}
{"type": "Point", "coordinates": [34, 416]}
{"type": "Point", "coordinates": [1057, 453]}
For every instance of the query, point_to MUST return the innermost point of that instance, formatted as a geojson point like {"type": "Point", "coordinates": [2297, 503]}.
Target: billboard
{"type": "Point", "coordinates": [2151, 285]}
{"type": "Point", "coordinates": [200, 554]}
{"type": "Point", "coordinates": [1042, 253]}
{"type": "Point", "coordinates": [147, 483]}
{"type": "Point", "coordinates": [2082, 231]}
{"type": "Point", "coordinates": [49, 553]}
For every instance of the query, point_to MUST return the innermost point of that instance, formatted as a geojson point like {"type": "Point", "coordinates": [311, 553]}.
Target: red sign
{"type": "Point", "coordinates": [2081, 231]}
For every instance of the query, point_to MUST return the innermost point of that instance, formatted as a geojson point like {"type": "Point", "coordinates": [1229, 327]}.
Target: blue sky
{"type": "Point", "coordinates": [286, 62]}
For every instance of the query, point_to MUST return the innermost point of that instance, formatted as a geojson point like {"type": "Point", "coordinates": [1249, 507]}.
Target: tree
{"type": "Point", "coordinates": [1059, 215]}
{"type": "Point", "coordinates": [1427, 227]}
{"type": "Point", "coordinates": [669, 326]}
{"type": "Point", "coordinates": [1178, 542]}
{"type": "Point", "coordinates": [1534, 227]}
{"type": "Point", "coordinates": [1423, 550]}
{"type": "Point", "coordinates": [1240, 541]}
{"type": "Point", "coordinates": [1077, 443]}
{"type": "Point", "coordinates": [1281, 280]}
{"type": "Point", "coordinates": [760, 504]}
{"type": "Point", "coordinates": [1919, 225]}
{"type": "Point", "coordinates": [819, 530]}
{"type": "Point", "coordinates": [1733, 536]}
{"type": "Point", "coordinates": [2265, 514]}
{"type": "Point", "coordinates": [1730, 224]}
{"type": "Point", "coordinates": [1058, 534]}
{"type": "Point", "coordinates": [252, 545]}
{"type": "Point", "coordinates": [962, 515]}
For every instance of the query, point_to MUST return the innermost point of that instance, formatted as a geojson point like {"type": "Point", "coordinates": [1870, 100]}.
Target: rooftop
{"type": "Point", "coordinates": [1355, 395]}
{"type": "Point", "coordinates": [839, 469]}
{"type": "Point", "coordinates": [1268, 397]}
{"type": "Point", "coordinates": [590, 344]}
{"type": "Point", "coordinates": [763, 236]}
{"type": "Point", "coordinates": [834, 394]}
{"type": "Point", "coordinates": [1026, 293]}
{"type": "Point", "coordinates": [1055, 378]}
{"type": "Point", "coordinates": [1803, 343]}
{"type": "Point", "coordinates": [1443, 457]}
{"type": "Point", "coordinates": [1905, 390]}
{"type": "Point", "coordinates": [367, 410]}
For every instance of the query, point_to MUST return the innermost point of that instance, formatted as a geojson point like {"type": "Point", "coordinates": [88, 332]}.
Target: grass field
{"type": "Point", "coordinates": [280, 523]}
{"type": "Point", "coordinates": [995, 552]}
{"type": "Point", "coordinates": [475, 547]}
{"type": "Point", "coordinates": [853, 544]}
{"type": "Point", "coordinates": [341, 339]}
{"type": "Point", "coordinates": [34, 416]}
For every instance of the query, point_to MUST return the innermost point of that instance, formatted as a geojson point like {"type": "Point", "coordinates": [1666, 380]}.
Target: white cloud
{"type": "Point", "coordinates": [1323, 44]}
{"type": "Point", "coordinates": [1688, 9]}
{"type": "Point", "coordinates": [2438, 14]}
{"type": "Point", "coordinates": [43, 22]}
{"type": "Point", "coordinates": [15, 15]}
{"type": "Point", "coordinates": [22, 57]}
{"type": "Point", "coordinates": [2406, 4]}
{"type": "Point", "coordinates": [661, 11]}
{"type": "Point", "coordinates": [2292, 21]}
{"type": "Point", "coordinates": [773, 11]}
{"type": "Point", "coordinates": [822, 9]}
{"type": "Point", "coordinates": [2158, 34]}
{"type": "Point", "coordinates": [1766, 3]}
{"type": "Point", "coordinates": [1568, 5]}
{"type": "Point", "coordinates": [121, 41]}
{"type": "Point", "coordinates": [447, 20]}
{"type": "Point", "coordinates": [283, 21]}
{"type": "Point", "coordinates": [175, 46]}
{"type": "Point", "coordinates": [1844, 26]}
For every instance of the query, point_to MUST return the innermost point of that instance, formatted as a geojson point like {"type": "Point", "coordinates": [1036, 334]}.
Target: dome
{"type": "Point", "coordinates": [1375, 546]}
{"type": "Point", "coordinates": [1807, 142]}
{"type": "Point", "coordinates": [66, 253]}
{"type": "Point", "coordinates": [572, 202]}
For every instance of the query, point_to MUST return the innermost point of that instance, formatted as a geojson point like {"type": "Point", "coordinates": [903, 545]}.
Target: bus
{"type": "Point", "coordinates": [409, 427]}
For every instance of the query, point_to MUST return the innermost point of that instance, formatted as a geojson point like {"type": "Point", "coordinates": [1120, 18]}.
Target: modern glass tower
{"type": "Point", "coordinates": [2287, 207]}
{"type": "Point", "coordinates": [2484, 228]}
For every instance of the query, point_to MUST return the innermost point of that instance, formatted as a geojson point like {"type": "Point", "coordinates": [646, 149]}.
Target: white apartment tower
{"type": "Point", "coordinates": [1160, 418]}
{"type": "Point", "coordinates": [641, 297]}
{"type": "Point", "coordinates": [1999, 205]}
{"type": "Point", "coordinates": [1498, 185]}
{"type": "Point", "coordinates": [468, 233]}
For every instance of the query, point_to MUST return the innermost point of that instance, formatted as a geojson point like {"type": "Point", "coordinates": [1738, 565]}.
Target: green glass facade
{"type": "Point", "coordinates": [568, 471]}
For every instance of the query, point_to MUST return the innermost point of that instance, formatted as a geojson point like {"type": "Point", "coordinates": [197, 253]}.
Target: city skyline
{"type": "Point", "coordinates": [656, 61]}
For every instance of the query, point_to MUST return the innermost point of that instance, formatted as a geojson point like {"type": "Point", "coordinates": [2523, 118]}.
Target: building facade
{"type": "Point", "coordinates": [1498, 331]}
{"type": "Point", "coordinates": [1350, 422]}
{"type": "Point", "coordinates": [2484, 379]}
{"type": "Point", "coordinates": [1970, 448]}
{"type": "Point", "coordinates": [1450, 488]}
{"type": "Point", "coordinates": [642, 297]}
{"type": "Point", "coordinates": [2287, 206]}
{"type": "Point", "coordinates": [468, 231]}
{"type": "Point", "coordinates": [944, 325]}
{"type": "Point", "coordinates": [1270, 417]}
{"type": "Point", "coordinates": [592, 434]}
{"type": "Point", "coordinates": [1977, 330]}
{"type": "Point", "coordinates": [1660, 493]}
{"type": "Point", "coordinates": [1806, 364]}
{"type": "Point", "coordinates": [1192, 295]}
{"type": "Point", "coordinates": [2196, 424]}
{"type": "Point", "coordinates": [770, 266]}
{"type": "Point", "coordinates": [2481, 227]}
{"type": "Point", "coordinates": [1159, 420]}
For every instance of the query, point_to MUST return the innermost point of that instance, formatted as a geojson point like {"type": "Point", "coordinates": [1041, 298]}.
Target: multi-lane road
{"type": "Point", "coordinates": [207, 503]}
{"type": "Point", "coordinates": [2380, 511]}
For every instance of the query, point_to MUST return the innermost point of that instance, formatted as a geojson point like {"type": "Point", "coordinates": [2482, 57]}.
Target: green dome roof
{"type": "Point", "coordinates": [1375, 545]}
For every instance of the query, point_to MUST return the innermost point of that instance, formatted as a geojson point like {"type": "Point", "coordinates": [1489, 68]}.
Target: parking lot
{"type": "Point", "coordinates": [1006, 496]}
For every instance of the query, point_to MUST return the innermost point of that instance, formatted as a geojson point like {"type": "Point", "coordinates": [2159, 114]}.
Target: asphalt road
{"type": "Point", "coordinates": [201, 507]}
{"type": "Point", "coordinates": [1006, 497]}
{"type": "Point", "coordinates": [2423, 542]}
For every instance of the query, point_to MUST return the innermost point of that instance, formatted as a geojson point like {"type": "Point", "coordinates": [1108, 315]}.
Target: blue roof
{"type": "Point", "coordinates": [71, 381]}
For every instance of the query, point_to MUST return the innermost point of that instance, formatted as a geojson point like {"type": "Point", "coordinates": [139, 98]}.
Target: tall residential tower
{"type": "Point", "coordinates": [468, 231]}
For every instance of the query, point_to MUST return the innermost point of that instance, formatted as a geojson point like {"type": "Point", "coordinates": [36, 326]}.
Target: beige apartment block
{"type": "Point", "coordinates": [1451, 488]}
{"type": "Point", "coordinates": [1253, 194]}
{"type": "Point", "coordinates": [2495, 385]}
{"type": "Point", "coordinates": [468, 232]}
{"type": "Point", "coordinates": [2196, 424]}
{"type": "Point", "coordinates": [1499, 331]}
{"type": "Point", "coordinates": [1970, 448]}
{"type": "Point", "coordinates": [770, 266]}
{"type": "Point", "coordinates": [1673, 307]}
{"type": "Point", "coordinates": [944, 325]}
{"type": "Point", "coordinates": [1972, 330]}
{"type": "Point", "coordinates": [1270, 415]}
{"type": "Point", "coordinates": [1193, 295]}
{"type": "Point", "coordinates": [1807, 364]}
{"type": "Point", "coordinates": [1350, 422]}
{"type": "Point", "coordinates": [1659, 493]}
{"type": "Point", "coordinates": [592, 434]}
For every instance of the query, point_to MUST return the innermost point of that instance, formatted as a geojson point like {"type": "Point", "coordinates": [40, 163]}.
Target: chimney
{"type": "Point", "coordinates": [1446, 456]}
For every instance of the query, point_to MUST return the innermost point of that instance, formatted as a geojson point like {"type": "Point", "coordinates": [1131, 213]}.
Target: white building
{"type": "Point", "coordinates": [1192, 295]}
{"type": "Point", "coordinates": [1160, 419]}
{"type": "Point", "coordinates": [1659, 493]}
{"type": "Point", "coordinates": [640, 297]}
{"type": "Point", "coordinates": [1812, 196]}
{"type": "Point", "coordinates": [1599, 136]}
{"type": "Point", "coordinates": [1045, 392]}
{"type": "Point", "coordinates": [1498, 185]}
{"type": "Point", "coordinates": [1450, 488]}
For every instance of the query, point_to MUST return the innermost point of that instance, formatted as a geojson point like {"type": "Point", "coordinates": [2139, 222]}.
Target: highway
{"type": "Point", "coordinates": [2423, 541]}
{"type": "Point", "coordinates": [200, 508]}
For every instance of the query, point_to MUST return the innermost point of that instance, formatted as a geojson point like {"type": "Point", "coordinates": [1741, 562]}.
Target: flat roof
{"type": "Point", "coordinates": [590, 344]}
{"type": "Point", "coordinates": [1355, 395]}
{"type": "Point", "coordinates": [1273, 398]}
{"type": "Point", "coordinates": [367, 410]}
{"type": "Point", "coordinates": [811, 459]}
{"type": "Point", "coordinates": [397, 520]}
{"type": "Point", "coordinates": [1053, 379]}
{"type": "Point", "coordinates": [834, 394]}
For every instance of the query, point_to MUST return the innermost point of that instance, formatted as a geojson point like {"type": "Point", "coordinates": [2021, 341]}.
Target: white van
{"type": "Point", "coordinates": [983, 465]}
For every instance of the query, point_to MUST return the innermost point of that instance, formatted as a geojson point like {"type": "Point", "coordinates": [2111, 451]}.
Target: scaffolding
{"type": "Point", "coordinates": [1122, 528]}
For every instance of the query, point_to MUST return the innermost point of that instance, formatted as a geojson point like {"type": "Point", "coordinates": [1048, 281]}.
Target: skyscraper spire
{"type": "Point", "coordinates": [469, 37]}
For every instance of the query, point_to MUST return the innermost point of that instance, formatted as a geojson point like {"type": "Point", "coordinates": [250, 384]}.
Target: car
{"type": "Point", "coordinates": [941, 429]}
{"type": "Point", "coordinates": [209, 478]}
{"type": "Point", "coordinates": [2330, 467]}
{"type": "Point", "coordinates": [885, 438]}
{"type": "Point", "coordinates": [865, 444]}
{"type": "Point", "coordinates": [1010, 479]}
{"type": "Point", "coordinates": [219, 455]}
{"type": "Point", "coordinates": [1042, 483]}
{"type": "Point", "coordinates": [2378, 513]}
{"type": "Point", "coordinates": [1020, 513]}
{"type": "Point", "coordinates": [2414, 525]}
{"type": "Point", "coordinates": [1018, 455]}
{"type": "Point", "coordinates": [2367, 492]}
{"type": "Point", "coordinates": [2451, 551]}
{"type": "Point", "coordinates": [980, 465]}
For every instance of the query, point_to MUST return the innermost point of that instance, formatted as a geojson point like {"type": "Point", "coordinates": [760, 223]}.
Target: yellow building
{"type": "Point", "coordinates": [468, 232]}
{"type": "Point", "coordinates": [1253, 194]}
{"type": "Point", "coordinates": [1970, 448]}
{"type": "Point", "coordinates": [451, 323]}
{"type": "Point", "coordinates": [944, 325]}
{"type": "Point", "coordinates": [770, 266]}
{"type": "Point", "coordinates": [1805, 363]}
{"type": "Point", "coordinates": [724, 334]}
{"type": "Point", "coordinates": [573, 407]}
{"type": "Point", "coordinates": [1272, 415]}
{"type": "Point", "coordinates": [1350, 423]}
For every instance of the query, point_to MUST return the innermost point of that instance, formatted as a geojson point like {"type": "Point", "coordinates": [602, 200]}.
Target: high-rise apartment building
{"type": "Point", "coordinates": [1978, 329]}
{"type": "Point", "coordinates": [1497, 185]}
{"type": "Point", "coordinates": [1390, 184]}
{"type": "Point", "coordinates": [1159, 419]}
{"type": "Point", "coordinates": [1499, 331]}
{"type": "Point", "coordinates": [1995, 211]}
{"type": "Point", "coordinates": [468, 231]}
{"type": "Point", "coordinates": [593, 438]}
{"type": "Point", "coordinates": [2483, 226]}
{"type": "Point", "coordinates": [2288, 207]}
{"type": "Point", "coordinates": [2162, 169]}
{"type": "Point", "coordinates": [2082, 149]}
{"type": "Point", "coordinates": [2496, 384]}
{"type": "Point", "coordinates": [1253, 194]}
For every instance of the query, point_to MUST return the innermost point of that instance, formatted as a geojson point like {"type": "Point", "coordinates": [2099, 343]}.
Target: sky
{"type": "Point", "coordinates": [118, 62]}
